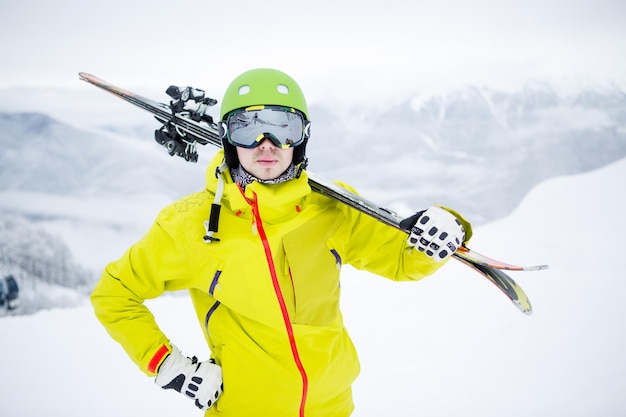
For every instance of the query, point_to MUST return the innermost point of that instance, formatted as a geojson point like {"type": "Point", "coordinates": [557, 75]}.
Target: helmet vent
{"type": "Point", "coordinates": [243, 90]}
{"type": "Point", "coordinates": [282, 89]}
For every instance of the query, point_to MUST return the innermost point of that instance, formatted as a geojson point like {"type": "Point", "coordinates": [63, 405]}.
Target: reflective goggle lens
{"type": "Point", "coordinates": [285, 127]}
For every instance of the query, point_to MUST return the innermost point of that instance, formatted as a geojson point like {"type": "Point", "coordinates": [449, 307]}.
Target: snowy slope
{"type": "Point", "coordinates": [450, 345]}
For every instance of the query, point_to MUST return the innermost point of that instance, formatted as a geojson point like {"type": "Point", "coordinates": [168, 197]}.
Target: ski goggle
{"type": "Point", "coordinates": [285, 127]}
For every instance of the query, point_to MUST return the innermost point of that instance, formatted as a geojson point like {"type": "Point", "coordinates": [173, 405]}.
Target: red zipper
{"type": "Point", "coordinates": [279, 295]}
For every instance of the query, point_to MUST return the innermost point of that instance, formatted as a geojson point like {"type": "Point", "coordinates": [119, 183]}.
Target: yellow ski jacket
{"type": "Point", "coordinates": [266, 294]}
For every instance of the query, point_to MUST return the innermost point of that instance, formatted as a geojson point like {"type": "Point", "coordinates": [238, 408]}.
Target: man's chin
{"type": "Point", "coordinates": [266, 173]}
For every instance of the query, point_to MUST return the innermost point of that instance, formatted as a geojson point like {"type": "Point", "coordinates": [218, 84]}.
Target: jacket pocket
{"type": "Point", "coordinates": [315, 281]}
{"type": "Point", "coordinates": [314, 263]}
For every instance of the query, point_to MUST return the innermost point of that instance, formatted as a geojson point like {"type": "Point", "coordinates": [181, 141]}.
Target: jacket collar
{"type": "Point", "coordinates": [276, 202]}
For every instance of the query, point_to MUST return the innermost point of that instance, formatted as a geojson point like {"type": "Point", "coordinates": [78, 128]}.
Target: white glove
{"type": "Point", "coordinates": [200, 381]}
{"type": "Point", "coordinates": [437, 233]}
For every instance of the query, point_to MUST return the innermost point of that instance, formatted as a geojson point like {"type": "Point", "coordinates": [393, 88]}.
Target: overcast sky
{"type": "Point", "coordinates": [333, 48]}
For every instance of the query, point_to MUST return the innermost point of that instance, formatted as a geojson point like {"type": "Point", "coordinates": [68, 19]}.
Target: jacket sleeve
{"type": "Point", "coordinates": [143, 272]}
{"type": "Point", "coordinates": [383, 250]}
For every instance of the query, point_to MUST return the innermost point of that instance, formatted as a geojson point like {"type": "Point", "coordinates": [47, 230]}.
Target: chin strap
{"type": "Point", "coordinates": [302, 167]}
{"type": "Point", "coordinates": [211, 225]}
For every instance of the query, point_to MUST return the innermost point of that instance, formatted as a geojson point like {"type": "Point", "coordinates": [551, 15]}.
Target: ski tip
{"type": "Point", "coordinates": [85, 76]}
{"type": "Point", "coordinates": [526, 309]}
{"type": "Point", "coordinates": [529, 268]}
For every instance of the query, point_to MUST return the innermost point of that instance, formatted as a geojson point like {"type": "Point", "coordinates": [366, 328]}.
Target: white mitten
{"type": "Point", "coordinates": [199, 381]}
{"type": "Point", "coordinates": [437, 233]}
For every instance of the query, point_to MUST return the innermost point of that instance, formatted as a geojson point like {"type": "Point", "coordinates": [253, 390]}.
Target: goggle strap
{"type": "Point", "coordinates": [222, 129]}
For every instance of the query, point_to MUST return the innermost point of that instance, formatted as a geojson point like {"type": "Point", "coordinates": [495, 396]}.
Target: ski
{"type": "Point", "coordinates": [505, 283]}
{"type": "Point", "coordinates": [185, 123]}
{"type": "Point", "coordinates": [477, 258]}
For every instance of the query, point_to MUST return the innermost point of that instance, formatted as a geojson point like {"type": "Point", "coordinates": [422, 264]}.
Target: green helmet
{"type": "Point", "coordinates": [263, 86]}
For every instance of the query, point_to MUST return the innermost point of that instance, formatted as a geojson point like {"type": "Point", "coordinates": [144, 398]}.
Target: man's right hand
{"type": "Point", "coordinates": [199, 381]}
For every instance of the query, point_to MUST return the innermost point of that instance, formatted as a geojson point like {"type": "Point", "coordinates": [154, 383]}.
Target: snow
{"type": "Point", "coordinates": [448, 345]}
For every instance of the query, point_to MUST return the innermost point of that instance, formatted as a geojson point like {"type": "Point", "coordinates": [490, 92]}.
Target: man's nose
{"type": "Point", "coordinates": [266, 143]}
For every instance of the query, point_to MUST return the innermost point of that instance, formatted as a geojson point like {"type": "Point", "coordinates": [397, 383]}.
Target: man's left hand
{"type": "Point", "coordinates": [437, 233]}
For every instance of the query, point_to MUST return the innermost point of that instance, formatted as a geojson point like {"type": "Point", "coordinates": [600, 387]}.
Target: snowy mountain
{"type": "Point", "coordinates": [450, 345]}
{"type": "Point", "coordinates": [476, 149]}
{"type": "Point", "coordinates": [95, 185]}
{"type": "Point", "coordinates": [44, 155]}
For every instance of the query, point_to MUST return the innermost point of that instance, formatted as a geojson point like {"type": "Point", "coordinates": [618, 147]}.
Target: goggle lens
{"type": "Point", "coordinates": [285, 127]}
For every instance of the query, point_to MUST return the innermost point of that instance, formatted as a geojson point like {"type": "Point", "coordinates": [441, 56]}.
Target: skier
{"type": "Point", "coordinates": [11, 296]}
{"type": "Point", "coordinates": [2, 295]}
{"type": "Point", "coordinates": [265, 286]}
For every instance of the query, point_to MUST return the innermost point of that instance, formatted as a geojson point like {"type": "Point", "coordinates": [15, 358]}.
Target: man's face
{"type": "Point", "coordinates": [266, 161]}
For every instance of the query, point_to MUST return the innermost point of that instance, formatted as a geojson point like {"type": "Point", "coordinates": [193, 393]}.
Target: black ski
{"type": "Point", "coordinates": [185, 124]}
